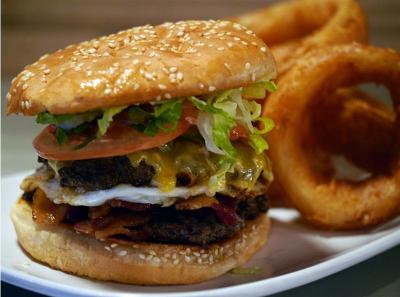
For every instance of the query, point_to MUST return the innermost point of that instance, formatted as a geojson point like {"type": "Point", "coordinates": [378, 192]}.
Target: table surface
{"type": "Point", "coordinates": [379, 276]}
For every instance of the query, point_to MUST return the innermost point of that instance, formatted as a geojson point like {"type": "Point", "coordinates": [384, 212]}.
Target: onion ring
{"type": "Point", "coordinates": [293, 28]}
{"type": "Point", "coordinates": [325, 201]}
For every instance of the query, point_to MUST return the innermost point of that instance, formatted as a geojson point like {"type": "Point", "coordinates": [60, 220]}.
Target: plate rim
{"type": "Point", "coordinates": [307, 275]}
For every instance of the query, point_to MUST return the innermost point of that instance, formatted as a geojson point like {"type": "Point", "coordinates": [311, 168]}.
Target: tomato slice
{"type": "Point", "coordinates": [119, 140]}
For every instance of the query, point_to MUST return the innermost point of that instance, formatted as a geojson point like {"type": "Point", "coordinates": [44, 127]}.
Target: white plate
{"type": "Point", "coordinates": [295, 255]}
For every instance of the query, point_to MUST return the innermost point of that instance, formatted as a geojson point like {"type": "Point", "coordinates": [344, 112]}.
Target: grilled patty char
{"type": "Point", "coordinates": [104, 173]}
{"type": "Point", "coordinates": [200, 226]}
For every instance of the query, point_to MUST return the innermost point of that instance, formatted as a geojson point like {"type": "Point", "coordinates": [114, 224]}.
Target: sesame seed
{"type": "Point", "coordinates": [91, 50]}
{"type": "Point", "coordinates": [201, 85]}
{"type": "Point", "coordinates": [212, 88]}
{"type": "Point", "coordinates": [135, 62]}
{"type": "Point", "coordinates": [122, 253]}
{"type": "Point", "coordinates": [142, 256]}
{"type": "Point", "coordinates": [113, 245]}
{"type": "Point", "coordinates": [199, 260]}
{"type": "Point", "coordinates": [253, 77]}
{"type": "Point", "coordinates": [46, 71]}
{"type": "Point", "coordinates": [43, 57]}
{"type": "Point", "coordinates": [220, 48]}
{"type": "Point", "coordinates": [187, 259]}
{"type": "Point", "coordinates": [179, 76]}
{"type": "Point", "coordinates": [247, 66]}
{"type": "Point", "coordinates": [149, 257]}
{"type": "Point", "coordinates": [151, 252]}
{"type": "Point", "coordinates": [8, 96]}
{"type": "Point", "coordinates": [156, 260]}
{"type": "Point", "coordinates": [196, 254]}
{"type": "Point", "coordinates": [162, 87]}
{"type": "Point", "coordinates": [167, 95]}
{"type": "Point", "coordinates": [136, 86]}
{"type": "Point", "coordinates": [107, 248]}
{"type": "Point", "coordinates": [237, 26]}
{"type": "Point", "coordinates": [263, 49]}
{"type": "Point", "coordinates": [148, 76]}
{"type": "Point", "coordinates": [147, 63]}
{"type": "Point", "coordinates": [175, 262]}
{"type": "Point", "coordinates": [25, 86]}
{"type": "Point", "coordinates": [172, 69]}
{"type": "Point", "coordinates": [229, 44]}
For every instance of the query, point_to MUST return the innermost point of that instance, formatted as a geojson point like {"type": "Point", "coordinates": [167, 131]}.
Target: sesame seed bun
{"type": "Point", "coordinates": [140, 263]}
{"type": "Point", "coordinates": [142, 64]}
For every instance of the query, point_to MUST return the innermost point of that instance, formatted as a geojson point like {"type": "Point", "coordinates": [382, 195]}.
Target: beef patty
{"type": "Point", "coordinates": [105, 173]}
{"type": "Point", "coordinates": [167, 224]}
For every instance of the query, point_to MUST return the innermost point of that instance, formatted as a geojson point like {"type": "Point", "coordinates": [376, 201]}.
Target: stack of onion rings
{"type": "Point", "coordinates": [323, 200]}
{"type": "Point", "coordinates": [348, 122]}
{"type": "Point", "coordinates": [293, 28]}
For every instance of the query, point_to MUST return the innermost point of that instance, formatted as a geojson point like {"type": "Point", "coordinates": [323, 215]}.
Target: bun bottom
{"type": "Point", "coordinates": [137, 263]}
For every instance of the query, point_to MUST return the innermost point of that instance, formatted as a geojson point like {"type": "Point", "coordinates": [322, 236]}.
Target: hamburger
{"type": "Point", "coordinates": [152, 165]}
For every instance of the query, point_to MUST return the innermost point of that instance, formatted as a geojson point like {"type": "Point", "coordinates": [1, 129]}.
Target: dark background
{"type": "Point", "coordinates": [33, 28]}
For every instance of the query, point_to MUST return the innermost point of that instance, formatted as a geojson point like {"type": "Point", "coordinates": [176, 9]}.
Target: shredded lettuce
{"type": "Point", "coordinates": [62, 135]}
{"type": "Point", "coordinates": [219, 113]}
{"type": "Point", "coordinates": [165, 117]}
{"type": "Point", "coordinates": [223, 123]}
{"type": "Point", "coordinates": [221, 133]}
{"type": "Point", "coordinates": [230, 108]}
{"type": "Point", "coordinates": [217, 182]}
{"type": "Point", "coordinates": [48, 118]}
{"type": "Point", "coordinates": [258, 89]}
{"type": "Point", "coordinates": [258, 143]}
{"type": "Point", "coordinates": [66, 121]}
{"type": "Point", "coordinates": [268, 125]}
{"type": "Point", "coordinates": [104, 122]}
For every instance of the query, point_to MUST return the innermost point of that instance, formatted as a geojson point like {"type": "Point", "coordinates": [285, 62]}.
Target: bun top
{"type": "Point", "coordinates": [142, 64]}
